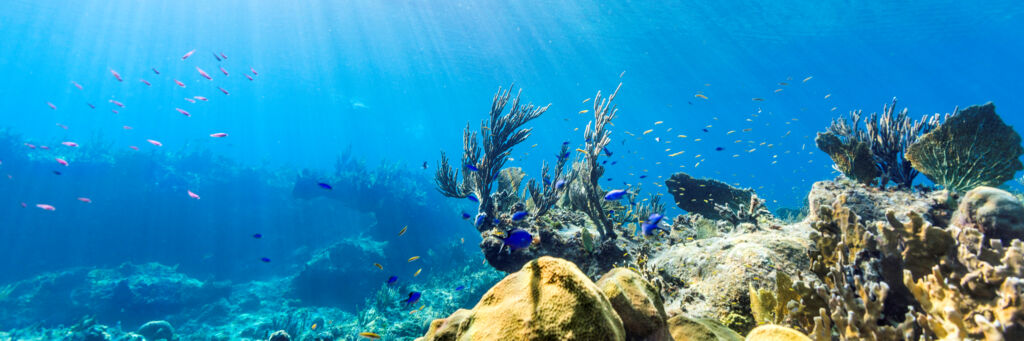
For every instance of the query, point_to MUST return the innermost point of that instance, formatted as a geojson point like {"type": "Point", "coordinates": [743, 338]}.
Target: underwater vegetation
{"type": "Point", "coordinates": [966, 149]}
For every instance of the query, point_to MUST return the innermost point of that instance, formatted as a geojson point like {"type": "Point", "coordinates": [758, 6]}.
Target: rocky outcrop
{"type": "Point", "coordinates": [548, 299]}
{"type": "Point", "coordinates": [156, 331]}
{"type": "Point", "coordinates": [685, 328]}
{"type": "Point", "coordinates": [637, 302]}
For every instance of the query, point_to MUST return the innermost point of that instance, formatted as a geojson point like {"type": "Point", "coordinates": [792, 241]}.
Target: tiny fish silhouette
{"type": "Point", "coordinates": [265, 259]}
{"type": "Point", "coordinates": [116, 75]}
{"type": "Point", "coordinates": [189, 54]}
{"type": "Point", "coordinates": [219, 135]}
{"type": "Point", "coordinates": [62, 162]}
{"type": "Point", "coordinates": [183, 112]}
{"type": "Point", "coordinates": [69, 144]}
{"type": "Point", "coordinates": [224, 71]}
{"type": "Point", "coordinates": [155, 143]}
{"type": "Point", "coordinates": [203, 73]}
{"type": "Point", "coordinates": [201, 98]}
{"type": "Point", "coordinates": [85, 200]}
{"type": "Point", "coordinates": [179, 83]}
{"type": "Point", "coordinates": [193, 195]}
{"type": "Point", "coordinates": [222, 90]}
{"type": "Point", "coordinates": [145, 82]}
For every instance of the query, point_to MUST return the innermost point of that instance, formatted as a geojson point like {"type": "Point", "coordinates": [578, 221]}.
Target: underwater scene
{"type": "Point", "coordinates": [511, 170]}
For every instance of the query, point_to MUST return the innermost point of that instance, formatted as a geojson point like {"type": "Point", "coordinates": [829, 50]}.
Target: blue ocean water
{"type": "Point", "coordinates": [386, 85]}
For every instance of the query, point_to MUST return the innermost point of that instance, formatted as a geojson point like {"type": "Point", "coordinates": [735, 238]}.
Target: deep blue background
{"type": "Point", "coordinates": [398, 80]}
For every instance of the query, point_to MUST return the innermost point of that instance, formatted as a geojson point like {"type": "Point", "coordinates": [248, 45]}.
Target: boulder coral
{"type": "Point", "coordinates": [994, 212]}
{"type": "Point", "coordinates": [685, 328]}
{"type": "Point", "coordinates": [637, 302]}
{"type": "Point", "coordinates": [549, 299]}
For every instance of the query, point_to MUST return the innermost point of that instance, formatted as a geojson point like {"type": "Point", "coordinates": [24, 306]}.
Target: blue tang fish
{"type": "Point", "coordinates": [472, 167]}
{"type": "Point", "coordinates": [413, 297]}
{"type": "Point", "coordinates": [459, 288]}
{"type": "Point", "coordinates": [265, 259]}
{"type": "Point", "coordinates": [392, 280]}
{"type": "Point", "coordinates": [257, 236]}
{"type": "Point", "coordinates": [651, 224]}
{"type": "Point", "coordinates": [324, 186]}
{"type": "Point", "coordinates": [559, 184]}
{"type": "Point", "coordinates": [518, 239]}
{"type": "Point", "coordinates": [519, 215]}
{"type": "Point", "coordinates": [615, 194]}
{"type": "Point", "coordinates": [472, 198]}
{"type": "Point", "coordinates": [466, 216]}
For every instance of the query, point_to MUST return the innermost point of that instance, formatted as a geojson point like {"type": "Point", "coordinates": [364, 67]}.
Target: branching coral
{"type": "Point", "coordinates": [972, 148]}
{"type": "Point", "coordinates": [754, 213]}
{"type": "Point", "coordinates": [877, 149]}
{"type": "Point", "coordinates": [586, 195]}
{"type": "Point", "coordinates": [545, 195]}
{"type": "Point", "coordinates": [498, 134]}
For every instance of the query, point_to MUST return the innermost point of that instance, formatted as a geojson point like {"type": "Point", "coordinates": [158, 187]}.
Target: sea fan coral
{"type": "Point", "coordinates": [972, 148]}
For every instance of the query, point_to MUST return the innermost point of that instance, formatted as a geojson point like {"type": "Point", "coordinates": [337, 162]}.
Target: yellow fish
{"type": "Point", "coordinates": [400, 233]}
{"type": "Point", "coordinates": [413, 258]}
{"type": "Point", "coordinates": [827, 96]}
{"type": "Point", "coordinates": [584, 111]}
{"type": "Point", "coordinates": [581, 150]}
{"type": "Point", "coordinates": [700, 96]}
{"type": "Point", "coordinates": [369, 335]}
{"type": "Point", "coordinates": [808, 78]}
{"type": "Point", "coordinates": [378, 266]}
{"type": "Point", "coordinates": [313, 327]}
{"type": "Point", "coordinates": [658, 122]}
{"type": "Point", "coordinates": [417, 272]}
{"type": "Point", "coordinates": [674, 154]}
{"type": "Point", "coordinates": [534, 146]}
{"type": "Point", "coordinates": [648, 131]}
{"type": "Point", "coordinates": [586, 100]}
{"type": "Point", "coordinates": [730, 132]}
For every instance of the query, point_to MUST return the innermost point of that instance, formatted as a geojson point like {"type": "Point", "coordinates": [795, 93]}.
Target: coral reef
{"type": "Point", "coordinates": [499, 134]}
{"type": "Point", "coordinates": [702, 195]}
{"type": "Point", "coordinates": [334, 271]}
{"type": "Point", "coordinates": [972, 148]}
{"type": "Point", "coordinates": [876, 150]}
{"type": "Point", "coordinates": [776, 333]}
{"type": "Point", "coordinates": [156, 331]}
{"type": "Point", "coordinates": [548, 299]}
{"type": "Point", "coordinates": [544, 196]}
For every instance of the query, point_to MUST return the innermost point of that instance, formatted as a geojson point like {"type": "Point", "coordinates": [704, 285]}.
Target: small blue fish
{"type": "Point", "coordinates": [604, 162]}
{"type": "Point", "coordinates": [565, 155]}
{"type": "Point", "coordinates": [719, 148]}
{"type": "Point", "coordinates": [565, 143]}
{"type": "Point", "coordinates": [497, 221]}
{"type": "Point", "coordinates": [519, 215]}
{"type": "Point", "coordinates": [466, 216]}
{"type": "Point", "coordinates": [265, 259]}
{"type": "Point", "coordinates": [413, 297]}
{"type": "Point", "coordinates": [518, 239]}
{"type": "Point", "coordinates": [607, 152]}
{"type": "Point", "coordinates": [559, 184]}
{"type": "Point", "coordinates": [643, 176]}
{"type": "Point", "coordinates": [651, 224]}
{"type": "Point", "coordinates": [614, 162]}
{"type": "Point", "coordinates": [324, 186]}
{"type": "Point", "coordinates": [472, 198]}
{"type": "Point", "coordinates": [547, 181]}
{"type": "Point", "coordinates": [459, 288]}
{"type": "Point", "coordinates": [609, 179]}
{"type": "Point", "coordinates": [615, 194]}
{"type": "Point", "coordinates": [472, 167]}
{"type": "Point", "coordinates": [392, 280]}
{"type": "Point", "coordinates": [56, 172]}
{"type": "Point", "coordinates": [257, 236]}
{"type": "Point", "coordinates": [479, 219]}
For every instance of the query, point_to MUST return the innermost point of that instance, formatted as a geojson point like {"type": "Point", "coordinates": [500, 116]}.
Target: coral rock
{"type": "Point", "coordinates": [994, 212]}
{"type": "Point", "coordinates": [685, 328]}
{"type": "Point", "coordinates": [549, 299]}
{"type": "Point", "coordinates": [156, 330]}
{"type": "Point", "coordinates": [637, 302]}
{"type": "Point", "coordinates": [280, 335]}
{"type": "Point", "coordinates": [771, 332]}
{"type": "Point", "coordinates": [700, 195]}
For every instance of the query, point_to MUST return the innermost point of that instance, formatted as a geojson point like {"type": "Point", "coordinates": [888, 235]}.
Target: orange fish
{"type": "Point", "coordinates": [700, 96]}
{"type": "Point", "coordinates": [413, 258]}
{"type": "Point", "coordinates": [189, 54]}
{"type": "Point", "coordinates": [378, 266]}
{"type": "Point", "coordinates": [193, 195]}
{"type": "Point", "coordinates": [203, 73]}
